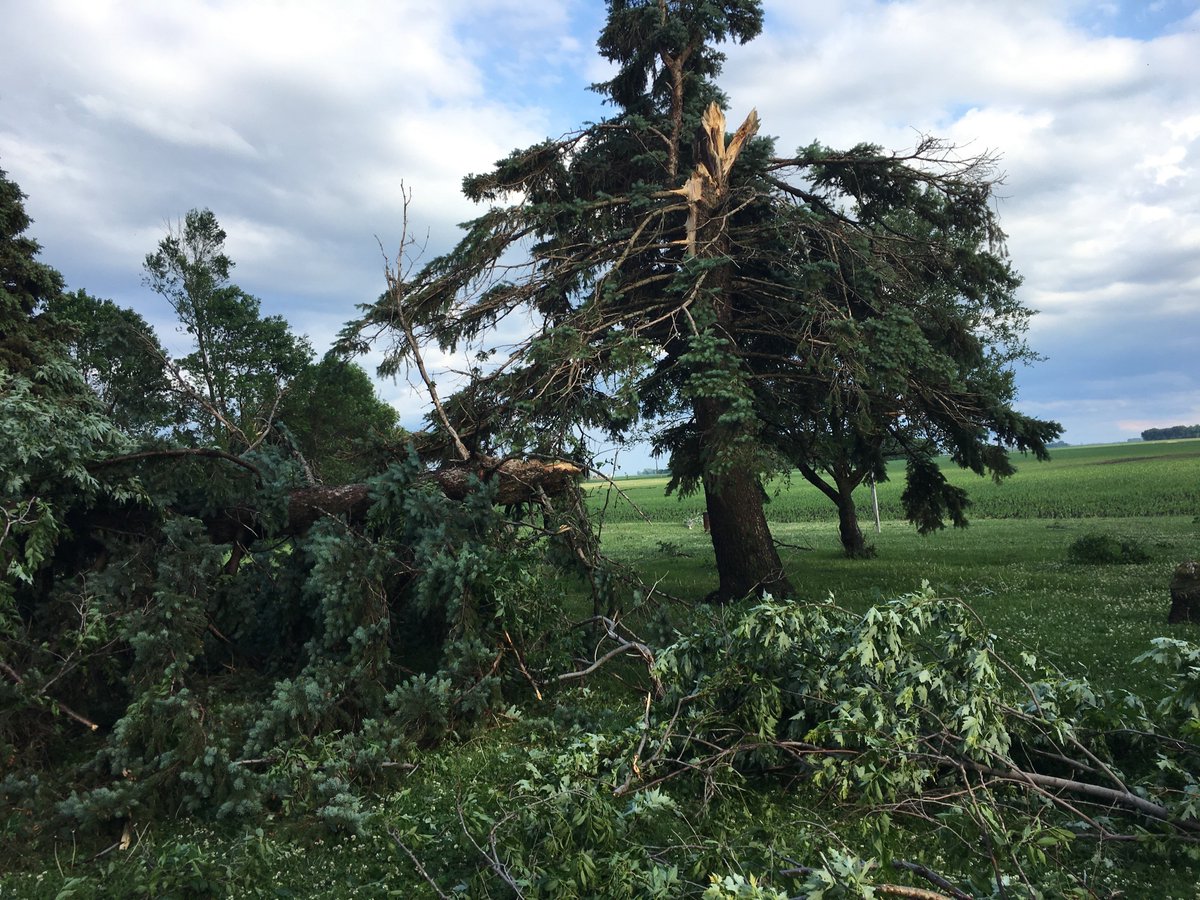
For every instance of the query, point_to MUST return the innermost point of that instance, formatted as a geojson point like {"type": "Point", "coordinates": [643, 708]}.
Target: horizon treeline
{"type": "Point", "coordinates": [1175, 432]}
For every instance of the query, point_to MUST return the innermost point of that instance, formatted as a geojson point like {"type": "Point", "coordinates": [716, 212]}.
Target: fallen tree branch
{"type": "Point", "coordinates": [932, 877]}
{"type": "Point", "coordinates": [624, 645]}
{"type": "Point", "coordinates": [518, 480]}
{"type": "Point", "coordinates": [521, 664]}
{"type": "Point", "coordinates": [1126, 800]}
{"type": "Point", "coordinates": [889, 890]}
{"type": "Point", "coordinates": [493, 858]}
{"type": "Point", "coordinates": [208, 452]}
{"type": "Point", "coordinates": [616, 487]}
{"type": "Point", "coordinates": [58, 704]}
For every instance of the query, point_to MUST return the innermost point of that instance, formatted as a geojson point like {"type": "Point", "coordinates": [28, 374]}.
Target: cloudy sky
{"type": "Point", "coordinates": [297, 123]}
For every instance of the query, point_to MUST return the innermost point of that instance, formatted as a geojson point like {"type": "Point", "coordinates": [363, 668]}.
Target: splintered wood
{"type": "Point", "coordinates": [709, 182]}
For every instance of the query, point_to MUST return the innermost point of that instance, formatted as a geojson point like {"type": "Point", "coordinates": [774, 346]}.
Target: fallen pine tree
{"type": "Point", "coordinates": [321, 607]}
{"type": "Point", "coordinates": [512, 480]}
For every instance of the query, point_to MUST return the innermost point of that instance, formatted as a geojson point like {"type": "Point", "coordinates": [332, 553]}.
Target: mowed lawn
{"type": "Point", "coordinates": [1010, 565]}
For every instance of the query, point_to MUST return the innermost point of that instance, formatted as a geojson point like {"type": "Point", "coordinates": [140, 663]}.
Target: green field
{"type": "Point", "coordinates": [1091, 620]}
{"type": "Point", "coordinates": [1010, 564]}
{"type": "Point", "coordinates": [1157, 478]}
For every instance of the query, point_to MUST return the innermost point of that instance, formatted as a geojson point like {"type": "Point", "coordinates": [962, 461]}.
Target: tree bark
{"type": "Point", "coordinates": [747, 560]}
{"type": "Point", "coordinates": [1185, 593]}
{"type": "Point", "coordinates": [519, 480]}
{"type": "Point", "coordinates": [746, 557]}
{"type": "Point", "coordinates": [853, 543]}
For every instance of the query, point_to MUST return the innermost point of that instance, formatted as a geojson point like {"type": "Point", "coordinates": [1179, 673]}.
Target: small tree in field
{"type": "Point", "coordinates": [721, 294]}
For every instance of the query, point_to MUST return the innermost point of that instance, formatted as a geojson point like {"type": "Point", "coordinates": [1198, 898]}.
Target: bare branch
{"type": "Point", "coordinates": [58, 704]}
{"type": "Point", "coordinates": [396, 292]}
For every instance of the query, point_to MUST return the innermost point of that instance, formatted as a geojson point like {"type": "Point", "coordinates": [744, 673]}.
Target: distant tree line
{"type": "Point", "coordinates": [1170, 434]}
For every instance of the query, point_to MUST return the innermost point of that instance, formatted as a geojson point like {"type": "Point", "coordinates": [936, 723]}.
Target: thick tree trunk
{"type": "Point", "coordinates": [853, 543]}
{"type": "Point", "coordinates": [747, 560]}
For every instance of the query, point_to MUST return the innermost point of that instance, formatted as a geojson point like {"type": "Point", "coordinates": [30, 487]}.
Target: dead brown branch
{"type": "Point", "coordinates": [396, 296]}
{"type": "Point", "coordinates": [932, 877]}
{"type": "Point", "coordinates": [627, 644]}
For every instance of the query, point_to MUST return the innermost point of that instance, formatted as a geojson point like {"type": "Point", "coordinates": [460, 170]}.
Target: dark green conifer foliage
{"type": "Point", "coordinates": [51, 426]}
{"type": "Point", "coordinates": [733, 302]}
{"type": "Point", "coordinates": [184, 673]}
{"type": "Point", "coordinates": [26, 285]}
{"type": "Point", "coordinates": [320, 659]}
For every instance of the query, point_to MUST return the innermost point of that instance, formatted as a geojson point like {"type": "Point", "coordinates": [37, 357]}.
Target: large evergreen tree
{"type": "Point", "coordinates": [51, 425]}
{"type": "Point", "coordinates": [717, 292]}
{"type": "Point", "coordinates": [26, 285]}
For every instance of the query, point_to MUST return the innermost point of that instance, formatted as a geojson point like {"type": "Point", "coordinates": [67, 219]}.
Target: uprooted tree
{"type": "Point", "coordinates": [740, 304]}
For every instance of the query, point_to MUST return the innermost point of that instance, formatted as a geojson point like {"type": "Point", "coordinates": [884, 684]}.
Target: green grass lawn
{"type": "Point", "coordinates": [1090, 620]}
{"type": "Point", "coordinates": [1010, 564]}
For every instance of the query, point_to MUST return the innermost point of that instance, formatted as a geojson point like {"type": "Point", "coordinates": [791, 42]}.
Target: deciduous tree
{"type": "Point", "coordinates": [241, 362]}
{"type": "Point", "coordinates": [121, 359]}
{"type": "Point", "coordinates": [343, 429]}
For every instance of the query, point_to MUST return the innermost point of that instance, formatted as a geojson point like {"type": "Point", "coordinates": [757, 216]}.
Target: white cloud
{"type": "Point", "coordinates": [296, 123]}
{"type": "Point", "coordinates": [170, 127]}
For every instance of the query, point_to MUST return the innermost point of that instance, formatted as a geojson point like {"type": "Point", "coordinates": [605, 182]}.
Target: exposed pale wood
{"type": "Point", "coordinates": [708, 183]}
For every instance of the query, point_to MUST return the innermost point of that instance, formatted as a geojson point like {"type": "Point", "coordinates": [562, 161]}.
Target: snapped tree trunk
{"type": "Point", "coordinates": [747, 560]}
{"type": "Point", "coordinates": [517, 481]}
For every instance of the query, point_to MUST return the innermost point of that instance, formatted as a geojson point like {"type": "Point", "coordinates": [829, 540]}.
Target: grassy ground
{"type": "Point", "coordinates": [1010, 565]}
{"type": "Point", "coordinates": [1089, 620]}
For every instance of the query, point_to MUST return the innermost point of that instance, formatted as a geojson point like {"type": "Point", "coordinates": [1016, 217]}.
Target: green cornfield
{"type": "Point", "coordinates": [1156, 478]}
